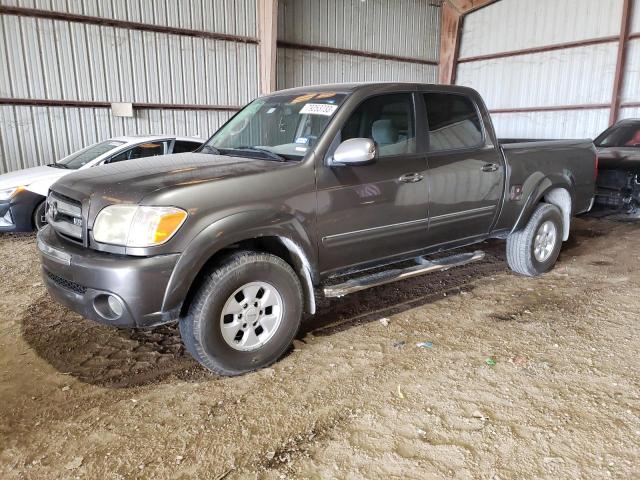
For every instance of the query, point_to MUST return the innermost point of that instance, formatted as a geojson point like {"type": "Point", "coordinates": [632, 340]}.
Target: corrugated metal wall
{"type": "Point", "coordinates": [72, 61]}
{"type": "Point", "coordinates": [515, 24]}
{"type": "Point", "coordinates": [631, 84]}
{"type": "Point", "coordinates": [68, 60]}
{"type": "Point", "coordinates": [576, 76]}
{"type": "Point", "coordinates": [302, 67]}
{"type": "Point", "coordinates": [33, 136]}
{"type": "Point", "coordinates": [235, 17]}
{"type": "Point", "coordinates": [407, 28]}
{"type": "Point", "coordinates": [635, 17]}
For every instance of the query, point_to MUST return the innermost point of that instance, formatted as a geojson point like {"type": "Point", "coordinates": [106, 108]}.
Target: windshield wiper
{"type": "Point", "coordinates": [58, 165]}
{"type": "Point", "coordinates": [266, 151]}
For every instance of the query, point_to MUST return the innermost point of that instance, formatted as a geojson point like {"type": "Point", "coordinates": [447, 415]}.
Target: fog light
{"type": "Point", "coordinates": [109, 307]}
{"type": "Point", "coordinates": [115, 306]}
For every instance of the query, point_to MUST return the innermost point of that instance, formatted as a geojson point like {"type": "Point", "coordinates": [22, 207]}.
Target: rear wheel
{"type": "Point", "coordinates": [39, 219]}
{"type": "Point", "coordinates": [535, 249]}
{"type": "Point", "coordinates": [244, 315]}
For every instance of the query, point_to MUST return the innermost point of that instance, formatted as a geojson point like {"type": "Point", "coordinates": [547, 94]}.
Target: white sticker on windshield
{"type": "Point", "coordinates": [319, 109]}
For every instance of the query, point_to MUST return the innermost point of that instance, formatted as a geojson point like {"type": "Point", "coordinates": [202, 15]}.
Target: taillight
{"type": "Point", "coordinates": [595, 173]}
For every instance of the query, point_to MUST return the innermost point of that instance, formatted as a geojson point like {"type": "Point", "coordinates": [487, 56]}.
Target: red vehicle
{"type": "Point", "coordinates": [618, 184]}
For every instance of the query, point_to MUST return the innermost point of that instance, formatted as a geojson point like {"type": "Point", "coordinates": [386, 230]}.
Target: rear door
{"type": "Point", "coordinates": [373, 211]}
{"type": "Point", "coordinates": [466, 170]}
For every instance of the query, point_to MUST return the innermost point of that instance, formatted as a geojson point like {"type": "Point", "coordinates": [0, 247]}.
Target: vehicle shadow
{"type": "Point", "coordinates": [113, 358]}
{"type": "Point", "coordinates": [336, 314]}
{"type": "Point", "coordinates": [102, 355]}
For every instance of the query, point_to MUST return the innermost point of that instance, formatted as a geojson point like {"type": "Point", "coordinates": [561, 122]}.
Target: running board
{"type": "Point", "coordinates": [381, 278]}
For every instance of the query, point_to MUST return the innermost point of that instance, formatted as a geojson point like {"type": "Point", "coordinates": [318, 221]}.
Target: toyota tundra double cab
{"type": "Point", "coordinates": [329, 189]}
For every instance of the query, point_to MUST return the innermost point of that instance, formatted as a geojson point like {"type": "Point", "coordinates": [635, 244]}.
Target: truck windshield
{"type": "Point", "coordinates": [622, 136]}
{"type": "Point", "coordinates": [280, 127]}
{"type": "Point", "coordinates": [86, 155]}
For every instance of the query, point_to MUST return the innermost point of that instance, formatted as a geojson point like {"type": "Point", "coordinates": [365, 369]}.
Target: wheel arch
{"type": "Point", "coordinates": [556, 192]}
{"type": "Point", "coordinates": [286, 239]}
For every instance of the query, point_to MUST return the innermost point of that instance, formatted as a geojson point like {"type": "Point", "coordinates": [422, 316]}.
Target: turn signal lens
{"type": "Point", "coordinates": [9, 193]}
{"type": "Point", "coordinates": [168, 225]}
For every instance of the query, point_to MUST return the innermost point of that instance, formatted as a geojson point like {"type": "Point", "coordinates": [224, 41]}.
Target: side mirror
{"type": "Point", "coordinates": [355, 151]}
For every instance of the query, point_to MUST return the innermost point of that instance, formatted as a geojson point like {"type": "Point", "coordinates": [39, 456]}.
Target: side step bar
{"type": "Point", "coordinates": [381, 278]}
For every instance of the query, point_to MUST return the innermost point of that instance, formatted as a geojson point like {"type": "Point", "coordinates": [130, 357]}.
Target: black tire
{"type": "Point", "coordinates": [201, 330]}
{"type": "Point", "coordinates": [520, 244]}
{"type": "Point", "coordinates": [39, 220]}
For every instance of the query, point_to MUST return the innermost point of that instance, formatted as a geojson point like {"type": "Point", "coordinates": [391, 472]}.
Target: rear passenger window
{"type": "Point", "coordinates": [387, 120]}
{"type": "Point", "coordinates": [453, 122]}
{"type": "Point", "coordinates": [181, 146]}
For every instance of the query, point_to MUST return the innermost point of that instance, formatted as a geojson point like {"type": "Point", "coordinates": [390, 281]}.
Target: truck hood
{"type": "Point", "coordinates": [131, 181]}
{"type": "Point", "coordinates": [36, 179]}
{"type": "Point", "coordinates": [619, 158]}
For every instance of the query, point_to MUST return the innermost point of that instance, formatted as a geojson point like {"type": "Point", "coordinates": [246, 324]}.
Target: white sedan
{"type": "Point", "coordinates": [23, 192]}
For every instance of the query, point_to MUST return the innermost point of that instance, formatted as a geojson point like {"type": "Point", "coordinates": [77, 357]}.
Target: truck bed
{"type": "Point", "coordinates": [533, 163]}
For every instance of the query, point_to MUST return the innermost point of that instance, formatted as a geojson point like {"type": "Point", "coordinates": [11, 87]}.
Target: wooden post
{"type": "Point", "coordinates": [449, 43]}
{"type": "Point", "coordinates": [453, 12]}
{"type": "Point", "coordinates": [267, 47]}
{"type": "Point", "coordinates": [620, 63]}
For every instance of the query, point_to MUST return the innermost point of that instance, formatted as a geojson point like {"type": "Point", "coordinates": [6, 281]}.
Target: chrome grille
{"type": "Point", "coordinates": [64, 215]}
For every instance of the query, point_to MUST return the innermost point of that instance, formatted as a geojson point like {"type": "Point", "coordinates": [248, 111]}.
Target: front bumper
{"type": "Point", "coordinates": [84, 279]}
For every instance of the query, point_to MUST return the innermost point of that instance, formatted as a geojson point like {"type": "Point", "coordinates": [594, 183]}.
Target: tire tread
{"type": "Point", "coordinates": [519, 256]}
{"type": "Point", "coordinates": [191, 323]}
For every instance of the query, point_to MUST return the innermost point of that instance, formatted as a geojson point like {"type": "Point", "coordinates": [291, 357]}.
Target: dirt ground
{"type": "Point", "coordinates": [354, 398]}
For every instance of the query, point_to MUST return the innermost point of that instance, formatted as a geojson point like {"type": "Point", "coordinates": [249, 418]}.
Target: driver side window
{"type": "Point", "coordinates": [386, 119]}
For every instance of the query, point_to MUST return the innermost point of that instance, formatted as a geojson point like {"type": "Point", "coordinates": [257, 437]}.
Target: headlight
{"type": "Point", "coordinates": [137, 226]}
{"type": "Point", "coordinates": [8, 193]}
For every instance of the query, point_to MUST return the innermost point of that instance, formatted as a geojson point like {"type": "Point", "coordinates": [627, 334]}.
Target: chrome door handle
{"type": "Point", "coordinates": [490, 167]}
{"type": "Point", "coordinates": [411, 177]}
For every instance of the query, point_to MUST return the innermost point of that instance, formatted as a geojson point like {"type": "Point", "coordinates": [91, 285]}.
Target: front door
{"type": "Point", "coordinates": [466, 172]}
{"type": "Point", "coordinates": [373, 211]}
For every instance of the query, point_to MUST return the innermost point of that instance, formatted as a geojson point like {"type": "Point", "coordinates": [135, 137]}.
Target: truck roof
{"type": "Point", "coordinates": [353, 86]}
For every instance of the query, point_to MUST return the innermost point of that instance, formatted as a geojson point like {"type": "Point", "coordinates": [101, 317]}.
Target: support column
{"type": "Point", "coordinates": [453, 11]}
{"type": "Point", "coordinates": [267, 48]}
{"type": "Point", "coordinates": [449, 44]}
{"type": "Point", "coordinates": [621, 62]}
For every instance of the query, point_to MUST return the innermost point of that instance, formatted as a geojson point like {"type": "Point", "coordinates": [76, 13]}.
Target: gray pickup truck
{"type": "Point", "coordinates": [332, 188]}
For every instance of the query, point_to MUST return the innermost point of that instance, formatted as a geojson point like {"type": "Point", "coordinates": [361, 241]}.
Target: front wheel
{"type": "Point", "coordinates": [245, 314]}
{"type": "Point", "coordinates": [39, 218]}
{"type": "Point", "coordinates": [535, 249]}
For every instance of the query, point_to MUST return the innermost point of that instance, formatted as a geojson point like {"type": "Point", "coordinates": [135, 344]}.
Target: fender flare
{"type": "Point", "coordinates": [542, 188]}
{"type": "Point", "coordinates": [238, 227]}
